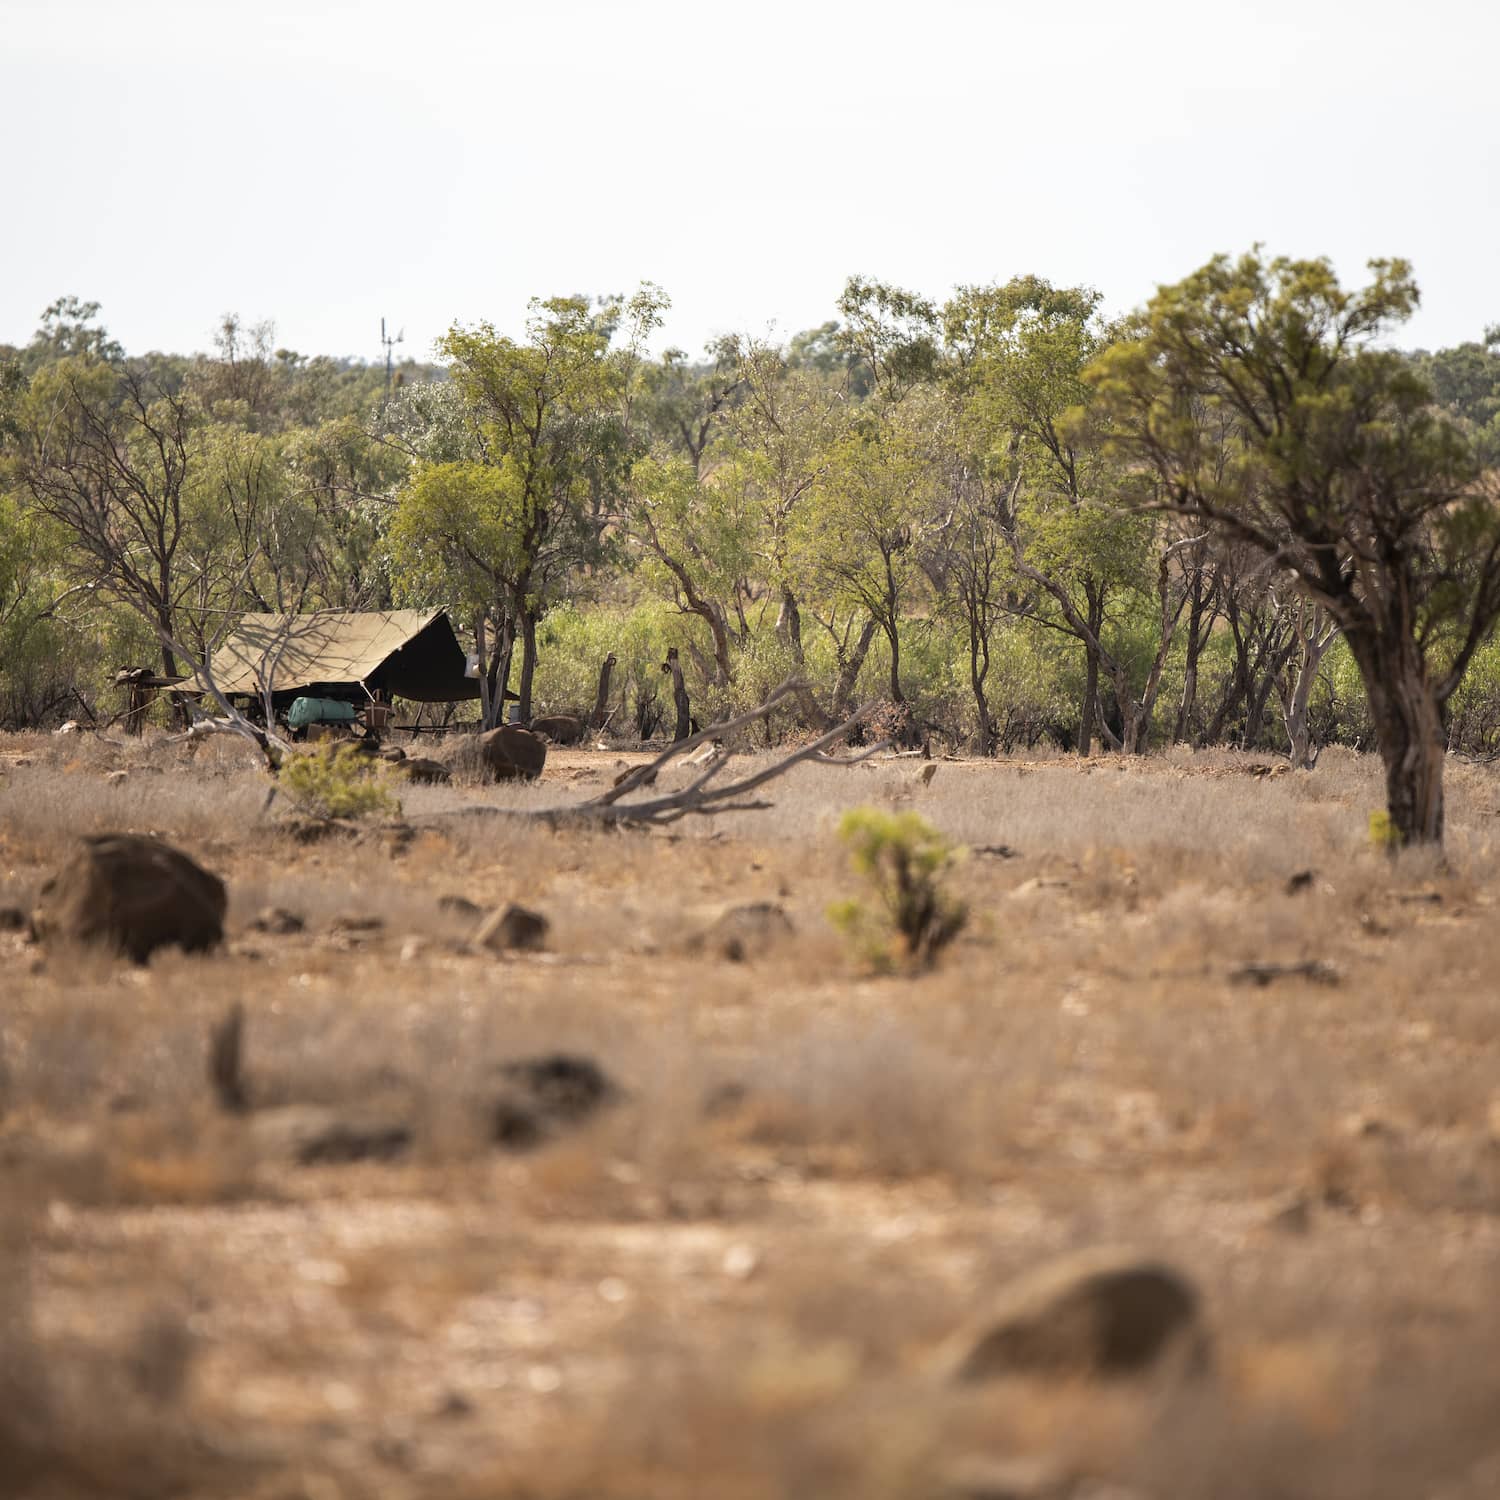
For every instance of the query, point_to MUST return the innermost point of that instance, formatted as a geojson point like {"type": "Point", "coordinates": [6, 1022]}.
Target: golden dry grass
{"type": "Point", "coordinates": [737, 1282]}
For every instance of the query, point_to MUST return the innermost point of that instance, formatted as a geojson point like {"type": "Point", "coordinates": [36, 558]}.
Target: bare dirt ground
{"type": "Point", "coordinates": [742, 1279]}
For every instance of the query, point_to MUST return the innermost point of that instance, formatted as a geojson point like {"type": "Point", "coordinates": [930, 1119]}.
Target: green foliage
{"type": "Point", "coordinates": [905, 860]}
{"type": "Point", "coordinates": [1384, 835]}
{"type": "Point", "coordinates": [338, 781]}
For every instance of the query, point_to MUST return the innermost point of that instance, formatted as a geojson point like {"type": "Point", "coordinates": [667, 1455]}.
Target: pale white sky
{"type": "Point", "coordinates": [327, 162]}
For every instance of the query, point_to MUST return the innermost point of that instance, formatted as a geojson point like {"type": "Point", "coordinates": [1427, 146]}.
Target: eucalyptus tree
{"type": "Point", "coordinates": [550, 418]}
{"type": "Point", "coordinates": [105, 451]}
{"type": "Point", "coordinates": [1343, 474]}
{"type": "Point", "coordinates": [776, 449]}
{"type": "Point", "coordinates": [859, 539]}
{"type": "Point", "coordinates": [1019, 352]}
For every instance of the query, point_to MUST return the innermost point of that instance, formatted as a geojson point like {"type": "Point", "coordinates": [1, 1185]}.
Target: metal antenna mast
{"type": "Point", "coordinates": [389, 343]}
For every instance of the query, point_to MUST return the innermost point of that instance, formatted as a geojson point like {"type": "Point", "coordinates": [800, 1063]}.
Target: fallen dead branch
{"type": "Point", "coordinates": [706, 794]}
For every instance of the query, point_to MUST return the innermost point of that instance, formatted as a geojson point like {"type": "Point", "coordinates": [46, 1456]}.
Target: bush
{"type": "Point", "coordinates": [338, 782]}
{"type": "Point", "coordinates": [905, 859]}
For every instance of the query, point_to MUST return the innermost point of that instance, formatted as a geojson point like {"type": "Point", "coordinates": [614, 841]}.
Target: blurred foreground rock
{"type": "Point", "coordinates": [541, 1097]}
{"type": "Point", "coordinates": [512, 927]}
{"type": "Point", "coordinates": [133, 894]}
{"type": "Point", "coordinates": [1099, 1313]}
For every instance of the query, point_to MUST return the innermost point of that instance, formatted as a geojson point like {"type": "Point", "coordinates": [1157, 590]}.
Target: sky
{"type": "Point", "coordinates": [327, 163]}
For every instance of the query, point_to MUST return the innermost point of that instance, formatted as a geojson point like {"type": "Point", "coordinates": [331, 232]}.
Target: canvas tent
{"type": "Point", "coordinates": [402, 653]}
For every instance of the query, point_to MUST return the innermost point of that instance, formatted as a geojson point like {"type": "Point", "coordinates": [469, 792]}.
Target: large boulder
{"type": "Point", "coordinates": [133, 894]}
{"type": "Point", "coordinates": [561, 729]}
{"type": "Point", "coordinates": [1096, 1313]}
{"type": "Point", "coordinates": [510, 753]}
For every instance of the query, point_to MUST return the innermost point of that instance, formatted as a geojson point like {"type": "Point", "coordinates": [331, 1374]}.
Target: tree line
{"type": "Point", "coordinates": [1236, 516]}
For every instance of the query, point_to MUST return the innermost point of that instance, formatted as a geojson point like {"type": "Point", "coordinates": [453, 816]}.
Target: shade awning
{"type": "Point", "coordinates": [405, 653]}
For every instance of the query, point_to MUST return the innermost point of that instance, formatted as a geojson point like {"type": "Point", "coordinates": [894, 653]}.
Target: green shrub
{"type": "Point", "coordinates": [338, 782]}
{"type": "Point", "coordinates": [905, 859]}
{"type": "Point", "coordinates": [1384, 835]}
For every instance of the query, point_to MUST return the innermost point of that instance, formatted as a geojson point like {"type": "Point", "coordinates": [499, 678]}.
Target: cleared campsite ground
{"type": "Point", "coordinates": [739, 1279]}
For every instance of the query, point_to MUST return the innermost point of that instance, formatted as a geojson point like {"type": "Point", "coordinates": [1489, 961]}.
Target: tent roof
{"type": "Point", "coordinates": [339, 648]}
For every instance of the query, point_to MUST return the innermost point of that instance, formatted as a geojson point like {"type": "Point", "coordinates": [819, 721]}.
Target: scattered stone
{"type": "Point", "coordinates": [355, 928]}
{"type": "Point", "coordinates": [12, 919]}
{"type": "Point", "coordinates": [510, 753]}
{"type": "Point", "coordinates": [543, 1096]}
{"type": "Point", "coordinates": [459, 906]}
{"type": "Point", "coordinates": [1007, 1479]}
{"type": "Point", "coordinates": [1299, 882]}
{"type": "Point", "coordinates": [741, 1261]}
{"type": "Point", "coordinates": [1361, 1126]}
{"type": "Point", "coordinates": [134, 894]}
{"type": "Point", "coordinates": [278, 921]}
{"type": "Point", "coordinates": [748, 931]}
{"type": "Point", "coordinates": [425, 772]}
{"type": "Point", "coordinates": [314, 1137]}
{"type": "Point", "coordinates": [1315, 969]}
{"type": "Point", "coordinates": [512, 927]}
{"type": "Point", "coordinates": [561, 729]}
{"type": "Point", "coordinates": [1293, 1215]}
{"type": "Point", "coordinates": [1101, 1313]}
{"type": "Point", "coordinates": [316, 830]}
{"type": "Point", "coordinates": [1420, 898]}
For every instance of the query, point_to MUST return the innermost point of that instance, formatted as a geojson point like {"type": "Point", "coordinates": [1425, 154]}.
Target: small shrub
{"type": "Point", "coordinates": [1384, 835]}
{"type": "Point", "coordinates": [905, 859]}
{"type": "Point", "coordinates": [339, 782]}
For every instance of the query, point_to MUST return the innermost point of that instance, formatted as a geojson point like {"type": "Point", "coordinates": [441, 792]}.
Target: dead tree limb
{"type": "Point", "coordinates": [701, 796]}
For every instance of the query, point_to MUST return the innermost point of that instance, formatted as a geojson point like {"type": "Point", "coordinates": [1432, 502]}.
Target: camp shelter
{"type": "Point", "coordinates": [400, 653]}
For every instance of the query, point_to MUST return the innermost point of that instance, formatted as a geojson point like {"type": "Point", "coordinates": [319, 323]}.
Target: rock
{"type": "Point", "coordinates": [315, 830]}
{"type": "Point", "coordinates": [355, 928]}
{"type": "Point", "coordinates": [511, 754]}
{"type": "Point", "coordinates": [1300, 881]}
{"type": "Point", "coordinates": [1314, 970]}
{"type": "Point", "coordinates": [543, 1096]}
{"type": "Point", "coordinates": [512, 927]}
{"type": "Point", "coordinates": [71, 726]}
{"type": "Point", "coordinates": [278, 921]}
{"type": "Point", "coordinates": [459, 906]}
{"type": "Point", "coordinates": [748, 931]}
{"type": "Point", "coordinates": [12, 919]}
{"type": "Point", "coordinates": [425, 772]}
{"type": "Point", "coordinates": [1101, 1313]}
{"type": "Point", "coordinates": [393, 754]}
{"type": "Point", "coordinates": [1292, 1215]}
{"type": "Point", "coordinates": [134, 894]}
{"type": "Point", "coordinates": [312, 1136]}
{"type": "Point", "coordinates": [1007, 1479]}
{"type": "Point", "coordinates": [561, 729]}
{"type": "Point", "coordinates": [116, 778]}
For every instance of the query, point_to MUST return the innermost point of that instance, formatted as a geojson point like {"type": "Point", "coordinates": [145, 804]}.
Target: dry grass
{"type": "Point", "coordinates": [735, 1282]}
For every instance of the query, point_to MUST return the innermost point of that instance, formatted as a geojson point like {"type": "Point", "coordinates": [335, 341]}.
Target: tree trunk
{"type": "Point", "coordinates": [850, 666]}
{"type": "Point", "coordinates": [684, 725]}
{"type": "Point", "coordinates": [895, 644]}
{"type": "Point", "coordinates": [789, 624]}
{"type": "Point", "coordinates": [1090, 703]}
{"type": "Point", "coordinates": [1409, 725]}
{"type": "Point", "coordinates": [601, 698]}
{"type": "Point", "coordinates": [1188, 704]}
{"type": "Point", "coordinates": [979, 669]}
{"type": "Point", "coordinates": [528, 664]}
